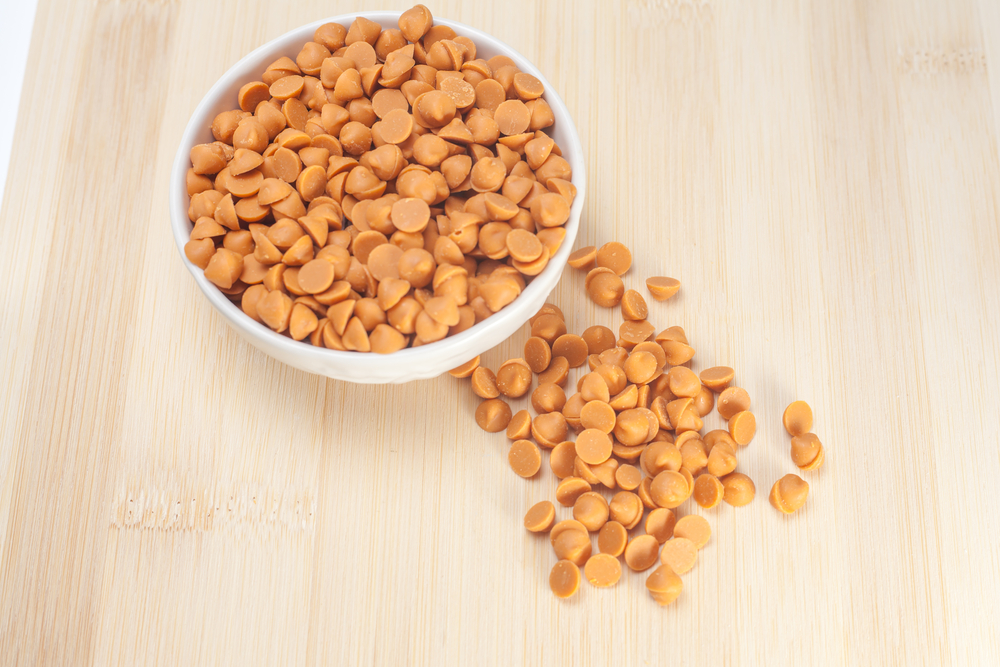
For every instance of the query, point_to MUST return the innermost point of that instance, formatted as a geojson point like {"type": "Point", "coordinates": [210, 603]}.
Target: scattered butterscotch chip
{"type": "Point", "coordinates": [641, 553]}
{"type": "Point", "coordinates": [604, 287]}
{"type": "Point", "coordinates": [513, 379]}
{"type": "Point", "coordinates": [664, 585]}
{"type": "Point", "coordinates": [615, 256]}
{"type": "Point", "coordinates": [593, 446]}
{"type": "Point", "coordinates": [540, 517]}
{"type": "Point", "coordinates": [603, 570]}
{"type": "Point", "coordinates": [564, 580]}
{"type": "Point", "coordinates": [571, 347]}
{"type": "Point", "coordinates": [537, 354]}
{"type": "Point", "coordinates": [732, 400]}
{"type": "Point", "coordinates": [493, 415]}
{"type": "Point", "coordinates": [571, 544]}
{"type": "Point", "coordinates": [717, 378]}
{"type": "Point", "coordinates": [807, 451]}
{"type": "Point", "coordinates": [524, 458]}
{"type": "Point", "coordinates": [634, 307]}
{"type": "Point", "coordinates": [583, 258]}
{"type": "Point", "coordinates": [628, 477]}
{"type": "Point", "coordinates": [739, 489]}
{"type": "Point", "coordinates": [484, 383]}
{"type": "Point", "coordinates": [660, 524]}
{"type": "Point", "coordinates": [708, 490]}
{"type": "Point", "coordinates": [519, 426]}
{"type": "Point", "coordinates": [743, 426]}
{"type": "Point", "coordinates": [679, 553]}
{"type": "Point", "coordinates": [694, 528]}
{"type": "Point", "coordinates": [599, 338]}
{"type": "Point", "coordinates": [591, 509]}
{"type": "Point", "coordinates": [466, 369]}
{"type": "Point", "coordinates": [626, 508]}
{"type": "Point", "coordinates": [570, 489]}
{"type": "Point", "coordinates": [612, 538]}
{"type": "Point", "coordinates": [662, 288]}
{"type": "Point", "coordinates": [797, 418]}
{"type": "Point", "coordinates": [789, 494]}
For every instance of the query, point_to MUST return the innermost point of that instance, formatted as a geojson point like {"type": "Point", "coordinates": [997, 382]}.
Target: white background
{"type": "Point", "coordinates": [15, 38]}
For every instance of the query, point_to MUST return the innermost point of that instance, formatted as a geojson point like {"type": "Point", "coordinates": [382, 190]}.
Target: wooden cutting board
{"type": "Point", "coordinates": [821, 176]}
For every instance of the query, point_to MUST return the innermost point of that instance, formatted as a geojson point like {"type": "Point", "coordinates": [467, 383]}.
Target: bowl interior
{"type": "Point", "coordinates": [411, 363]}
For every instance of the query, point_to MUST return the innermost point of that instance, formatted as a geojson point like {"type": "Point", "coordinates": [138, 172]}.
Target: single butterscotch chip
{"type": "Point", "coordinates": [571, 347]}
{"type": "Point", "coordinates": [561, 459]}
{"type": "Point", "coordinates": [591, 509]}
{"type": "Point", "coordinates": [548, 327]}
{"type": "Point", "coordinates": [540, 517]}
{"type": "Point", "coordinates": [789, 494]}
{"type": "Point", "coordinates": [660, 524]}
{"type": "Point", "coordinates": [669, 489]}
{"type": "Point", "coordinates": [731, 401]}
{"type": "Point", "coordinates": [714, 437]}
{"type": "Point", "coordinates": [593, 446]}
{"type": "Point", "coordinates": [512, 117]}
{"type": "Point", "coordinates": [742, 427]}
{"type": "Point", "coordinates": [807, 451]}
{"type": "Point", "coordinates": [628, 477]}
{"type": "Point", "coordinates": [708, 490]}
{"type": "Point", "coordinates": [564, 580]}
{"type": "Point", "coordinates": [572, 545]}
{"type": "Point", "coordinates": [704, 401]}
{"type": "Point", "coordinates": [493, 415]}
{"type": "Point", "coordinates": [739, 489]}
{"type": "Point", "coordinates": [640, 367]}
{"type": "Point", "coordinates": [679, 553]}
{"type": "Point", "coordinates": [549, 429]}
{"type": "Point", "coordinates": [683, 382]}
{"type": "Point", "coordinates": [514, 378]}
{"type": "Point", "coordinates": [569, 489]}
{"type": "Point", "coordinates": [797, 418]}
{"type": "Point", "coordinates": [524, 458]}
{"type": "Point", "coordinates": [537, 354]}
{"type": "Point", "coordinates": [614, 256]}
{"type": "Point", "coordinates": [664, 585]}
{"type": "Point", "coordinates": [604, 287]}
{"type": "Point", "coordinates": [694, 528]}
{"type": "Point", "coordinates": [721, 460]}
{"type": "Point", "coordinates": [662, 288]}
{"type": "Point", "coordinates": [599, 338]}
{"type": "Point", "coordinates": [634, 307]}
{"type": "Point", "coordinates": [626, 508]}
{"type": "Point", "coordinates": [548, 397]}
{"type": "Point", "coordinates": [603, 570]}
{"type": "Point", "coordinates": [612, 538]}
{"type": "Point", "coordinates": [594, 388]}
{"type": "Point", "coordinates": [484, 383]}
{"type": "Point", "coordinates": [583, 258]}
{"type": "Point", "coordinates": [316, 276]}
{"type": "Point", "coordinates": [598, 415]}
{"type": "Point", "coordinates": [519, 426]}
{"type": "Point", "coordinates": [641, 553]}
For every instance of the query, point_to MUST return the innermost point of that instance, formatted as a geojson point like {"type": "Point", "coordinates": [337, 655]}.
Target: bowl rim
{"type": "Point", "coordinates": [180, 224]}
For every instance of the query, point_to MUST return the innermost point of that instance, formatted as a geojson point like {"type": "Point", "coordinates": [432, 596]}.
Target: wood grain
{"type": "Point", "coordinates": [821, 176]}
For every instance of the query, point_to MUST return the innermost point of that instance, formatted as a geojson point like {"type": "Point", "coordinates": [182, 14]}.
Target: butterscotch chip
{"type": "Point", "coordinates": [564, 580]}
{"type": "Point", "coordinates": [626, 508]}
{"type": "Point", "coordinates": [694, 528]}
{"type": "Point", "coordinates": [537, 354]}
{"type": "Point", "coordinates": [593, 446]}
{"type": "Point", "coordinates": [514, 378]}
{"type": "Point", "coordinates": [669, 489]}
{"type": "Point", "coordinates": [807, 451]}
{"type": "Point", "coordinates": [742, 427]}
{"type": "Point", "coordinates": [789, 494]}
{"type": "Point", "coordinates": [604, 287]}
{"type": "Point", "coordinates": [739, 489]}
{"type": "Point", "coordinates": [493, 415]}
{"type": "Point", "coordinates": [540, 517]}
{"type": "Point", "coordinates": [599, 338]}
{"type": "Point", "coordinates": [598, 415]}
{"type": "Point", "coordinates": [571, 347]}
{"type": "Point", "coordinates": [641, 553]}
{"type": "Point", "coordinates": [303, 322]}
{"type": "Point", "coordinates": [549, 429]}
{"type": "Point", "coordinates": [708, 490]}
{"type": "Point", "coordinates": [591, 509]}
{"type": "Point", "coordinates": [679, 553]}
{"type": "Point", "coordinates": [704, 401]}
{"type": "Point", "coordinates": [628, 477]}
{"type": "Point", "coordinates": [603, 570]}
{"type": "Point", "coordinates": [556, 373]}
{"type": "Point", "coordinates": [664, 585]}
{"type": "Point", "coordinates": [562, 458]}
{"type": "Point", "coordinates": [731, 401]}
{"type": "Point", "coordinates": [569, 489]}
{"type": "Point", "coordinates": [640, 367]}
{"type": "Point", "coordinates": [548, 327]}
{"type": "Point", "coordinates": [717, 378]}
{"type": "Point", "coordinates": [614, 256]}
{"type": "Point", "coordinates": [660, 524]}
{"type": "Point", "coordinates": [572, 545]}
{"type": "Point", "coordinates": [662, 288]}
{"type": "Point", "coordinates": [721, 460]}
{"type": "Point", "coordinates": [524, 458]}
{"type": "Point", "coordinates": [519, 426]}
{"type": "Point", "coordinates": [612, 539]}
{"type": "Point", "coordinates": [548, 397]}
{"type": "Point", "coordinates": [484, 383]}
{"type": "Point", "coordinates": [634, 307]}
{"type": "Point", "coordinates": [316, 276]}
{"type": "Point", "coordinates": [583, 258]}
{"type": "Point", "coordinates": [797, 418]}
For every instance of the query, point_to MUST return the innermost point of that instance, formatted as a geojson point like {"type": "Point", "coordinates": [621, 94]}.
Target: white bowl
{"type": "Point", "coordinates": [422, 362]}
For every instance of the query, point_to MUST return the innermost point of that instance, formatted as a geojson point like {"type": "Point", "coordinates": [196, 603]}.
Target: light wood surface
{"type": "Point", "coordinates": [821, 176]}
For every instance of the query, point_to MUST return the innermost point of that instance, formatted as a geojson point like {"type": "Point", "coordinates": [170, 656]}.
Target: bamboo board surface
{"type": "Point", "coordinates": [821, 176]}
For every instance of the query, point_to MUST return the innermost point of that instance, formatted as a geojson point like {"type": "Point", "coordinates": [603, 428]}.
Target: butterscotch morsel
{"type": "Point", "coordinates": [599, 338]}
{"type": "Point", "coordinates": [797, 418]}
{"type": "Point", "coordinates": [739, 489]}
{"type": "Point", "coordinates": [591, 509]}
{"type": "Point", "coordinates": [512, 117]}
{"type": "Point", "coordinates": [708, 490]}
{"type": "Point", "coordinates": [593, 446]}
{"type": "Point", "coordinates": [524, 457]}
{"type": "Point", "coordinates": [721, 460]}
{"type": "Point", "coordinates": [669, 489]}
{"type": "Point", "coordinates": [549, 429]}
{"type": "Point", "coordinates": [679, 553]}
{"type": "Point", "coordinates": [660, 524]}
{"type": "Point", "coordinates": [573, 348]}
{"type": "Point", "coordinates": [731, 401]}
{"type": "Point", "coordinates": [634, 307]}
{"type": "Point", "coordinates": [683, 382]}
{"type": "Point", "coordinates": [662, 288]}
{"type": "Point", "coordinates": [628, 477]}
{"type": "Point", "coordinates": [415, 22]}
{"type": "Point", "coordinates": [704, 402]}
{"type": "Point", "coordinates": [523, 245]}
{"type": "Point", "coordinates": [640, 367]}
{"type": "Point", "coordinates": [548, 327]}
{"type": "Point", "coordinates": [604, 287]}
{"type": "Point", "coordinates": [742, 427]}
{"type": "Point", "coordinates": [275, 310]}
{"type": "Point", "coordinates": [603, 570]}
{"type": "Point", "coordinates": [316, 276]}
{"type": "Point", "coordinates": [583, 258]}
{"type": "Point", "coordinates": [540, 517]}
{"type": "Point", "coordinates": [561, 459]}
{"type": "Point", "coordinates": [569, 489]}
{"type": "Point", "coordinates": [572, 545]}
{"type": "Point", "coordinates": [549, 209]}
{"type": "Point", "coordinates": [519, 426]}
{"type": "Point", "coordinates": [612, 538]}
{"type": "Point", "coordinates": [598, 415]}
{"type": "Point", "coordinates": [632, 427]}
{"type": "Point", "coordinates": [664, 585]}
{"type": "Point", "coordinates": [789, 494]}
{"type": "Point", "coordinates": [626, 508]}
{"type": "Point", "coordinates": [614, 256]}
{"type": "Point", "coordinates": [694, 528]}
{"type": "Point", "coordinates": [641, 553]}
{"type": "Point", "coordinates": [224, 268]}
{"type": "Point", "coordinates": [493, 415]}
{"type": "Point", "coordinates": [537, 354]}
{"type": "Point", "coordinates": [717, 378]}
{"type": "Point", "coordinates": [385, 340]}
{"type": "Point", "coordinates": [514, 378]}
{"type": "Point", "coordinates": [548, 397]}
{"type": "Point", "coordinates": [807, 451]}
{"type": "Point", "coordinates": [564, 580]}
{"type": "Point", "coordinates": [484, 383]}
